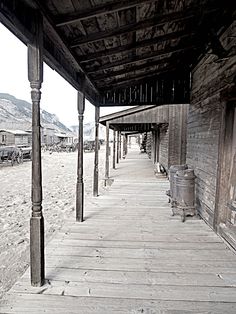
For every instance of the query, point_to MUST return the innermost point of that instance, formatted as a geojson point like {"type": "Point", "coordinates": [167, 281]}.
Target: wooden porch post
{"type": "Point", "coordinates": [35, 76]}
{"type": "Point", "coordinates": [80, 182]}
{"type": "Point", "coordinates": [117, 146]}
{"type": "Point", "coordinates": [95, 177]}
{"type": "Point", "coordinates": [126, 144]}
{"type": "Point", "coordinates": [114, 149]}
{"type": "Point", "coordinates": [124, 138]}
{"type": "Point", "coordinates": [130, 142]}
{"type": "Point", "coordinates": [107, 153]}
{"type": "Point", "coordinates": [120, 145]}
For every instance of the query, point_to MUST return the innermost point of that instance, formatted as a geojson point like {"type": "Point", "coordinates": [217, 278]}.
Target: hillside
{"type": "Point", "coordinates": [89, 131]}
{"type": "Point", "coordinates": [16, 114]}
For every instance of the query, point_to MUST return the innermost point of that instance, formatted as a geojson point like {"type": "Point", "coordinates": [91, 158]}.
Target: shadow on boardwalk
{"type": "Point", "coordinates": [131, 256]}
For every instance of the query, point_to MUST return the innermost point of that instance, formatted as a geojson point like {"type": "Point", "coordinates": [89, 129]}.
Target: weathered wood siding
{"type": "Point", "coordinates": [185, 110]}
{"type": "Point", "coordinates": [9, 138]}
{"type": "Point", "coordinates": [14, 139]}
{"type": "Point", "coordinates": [149, 115]}
{"type": "Point", "coordinates": [173, 137]}
{"type": "Point", "coordinates": [21, 140]}
{"type": "Point", "coordinates": [209, 79]}
{"type": "Point", "coordinates": [149, 144]}
{"type": "Point", "coordinates": [177, 134]}
{"type": "Point", "coordinates": [164, 146]}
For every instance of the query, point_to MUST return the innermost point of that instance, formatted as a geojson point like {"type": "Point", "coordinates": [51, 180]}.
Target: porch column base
{"type": "Point", "coordinates": [37, 251]}
{"type": "Point", "coordinates": [108, 181]}
{"type": "Point", "coordinates": [80, 202]}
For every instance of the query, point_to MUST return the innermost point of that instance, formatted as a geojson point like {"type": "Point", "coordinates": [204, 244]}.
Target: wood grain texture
{"type": "Point", "coordinates": [131, 256]}
{"type": "Point", "coordinates": [206, 127]}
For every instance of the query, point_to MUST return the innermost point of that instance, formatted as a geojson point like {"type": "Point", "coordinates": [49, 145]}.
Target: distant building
{"type": "Point", "coordinates": [15, 137]}
{"type": "Point", "coordinates": [63, 138]}
{"type": "Point", "coordinates": [47, 135]}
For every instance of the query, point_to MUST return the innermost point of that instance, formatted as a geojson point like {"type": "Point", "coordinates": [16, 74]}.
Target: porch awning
{"type": "Point", "coordinates": [127, 52]}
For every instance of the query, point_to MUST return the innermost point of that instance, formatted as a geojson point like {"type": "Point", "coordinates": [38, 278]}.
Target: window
{"type": "Point", "coordinates": [3, 138]}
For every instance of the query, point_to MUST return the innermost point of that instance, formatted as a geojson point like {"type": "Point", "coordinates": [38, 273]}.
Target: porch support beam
{"type": "Point", "coordinates": [80, 180]}
{"type": "Point", "coordinates": [35, 77]}
{"type": "Point", "coordinates": [114, 149]}
{"type": "Point", "coordinates": [117, 146]}
{"type": "Point", "coordinates": [107, 153]}
{"type": "Point", "coordinates": [96, 154]}
{"type": "Point", "coordinates": [125, 138]}
{"type": "Point", "coordinates": [120, 145]}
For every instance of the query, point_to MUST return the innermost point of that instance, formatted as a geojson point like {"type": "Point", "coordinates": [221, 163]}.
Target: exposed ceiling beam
{"type": "Point", "coordinates": [131, 47]}
{"type": "Point", "coordinates": [157, 72]}
{"type": "Point", "coordinates": [128, 82]}
{"type": "Point", "coordinates": [158, 20]}
{"type": "Point", "coordinates": [98, 10]}
{"type": "Point", "coordinates": [112, 75]}
{"type": "Point", "coordinates": [161, 53]}
{"type": "Point", "coordinates": [132, 103]}
{"type": "Point", "coordinates": [143, 79]}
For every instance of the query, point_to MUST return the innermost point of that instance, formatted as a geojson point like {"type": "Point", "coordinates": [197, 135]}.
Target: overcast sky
{"type": "Point", "coordinates": [58, 96]}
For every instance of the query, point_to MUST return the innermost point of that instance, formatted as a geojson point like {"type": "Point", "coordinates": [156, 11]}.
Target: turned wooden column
{"type": "Point", "coordinates": [114, 149]}
{"type": "Point", "coordinates": [35, 76]}
{"type": "Point", "coordinates": [80, 180]}
{"type": "Point", "coordinates": [96, 154]}
{"type": "Point", "coordinates": [107, 153]}
{"type": "Point", "coordinates": [117, 146]}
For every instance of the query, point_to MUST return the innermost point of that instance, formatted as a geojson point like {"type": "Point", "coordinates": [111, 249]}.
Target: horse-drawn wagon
{"type": "Point", "coordinates": [10, 154]}
{"type": "Point", "coordinates": [89, 146]}
{"type": "Point", "coordinates": [14, 154]}
{"type": "Point", "coordinates": [26, 152]}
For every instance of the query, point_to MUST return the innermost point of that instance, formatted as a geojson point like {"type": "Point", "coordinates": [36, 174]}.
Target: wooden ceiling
{"type": "Point", "coordinates": [133, 51]}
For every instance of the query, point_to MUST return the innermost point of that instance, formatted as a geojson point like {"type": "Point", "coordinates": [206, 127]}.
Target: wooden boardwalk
{"type": "Point", "coordinates": [131, 256]}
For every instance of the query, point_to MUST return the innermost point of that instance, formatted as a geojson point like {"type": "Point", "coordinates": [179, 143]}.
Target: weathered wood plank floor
{"type": "Point", "coordinates": [131, 256]}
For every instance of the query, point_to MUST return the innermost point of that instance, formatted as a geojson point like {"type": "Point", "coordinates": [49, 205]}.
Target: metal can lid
{"type": "Point", "coordinates": [186, 173]}
{"type": "Point", "coordinates": [175, 168]}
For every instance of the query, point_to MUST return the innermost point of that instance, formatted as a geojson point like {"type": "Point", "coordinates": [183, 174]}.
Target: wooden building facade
{"type": "Point", "coordinates": [15, 138]}
{"type": "Point", "coordinates": [212, 135]}
{"type": "Point", "coordinates": [165, 128]}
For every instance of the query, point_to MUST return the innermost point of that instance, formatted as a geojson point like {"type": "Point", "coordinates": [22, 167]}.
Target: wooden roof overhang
{"type": "Point", "coordinates": [131, 52]}
{"type": "Point", "coordinates": [139, 119]}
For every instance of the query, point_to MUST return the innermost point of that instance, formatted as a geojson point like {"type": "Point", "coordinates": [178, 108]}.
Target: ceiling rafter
{"type": "Point", "coordinates": [155, 72]}
{"type": "Point", "coordinates": [98, 10]}
{"type": "Point", "coordinates": [158, 20]}
{"type": "Point", "coordinates": [113, 74]}
{"type": "Point", "coordinates": [132, 81]}
{"type": "Point", "coordinates": [161, 53]}
{"type": "Point", "coordinates": [131, 47]}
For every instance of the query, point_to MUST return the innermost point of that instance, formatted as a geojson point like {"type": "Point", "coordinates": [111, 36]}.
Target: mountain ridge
{"type": "Point", "coordinates": [17, 114]}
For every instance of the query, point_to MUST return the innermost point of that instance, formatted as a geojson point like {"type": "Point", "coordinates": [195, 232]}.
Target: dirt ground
{"type": "Point", "coordinates": [59, 182]}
